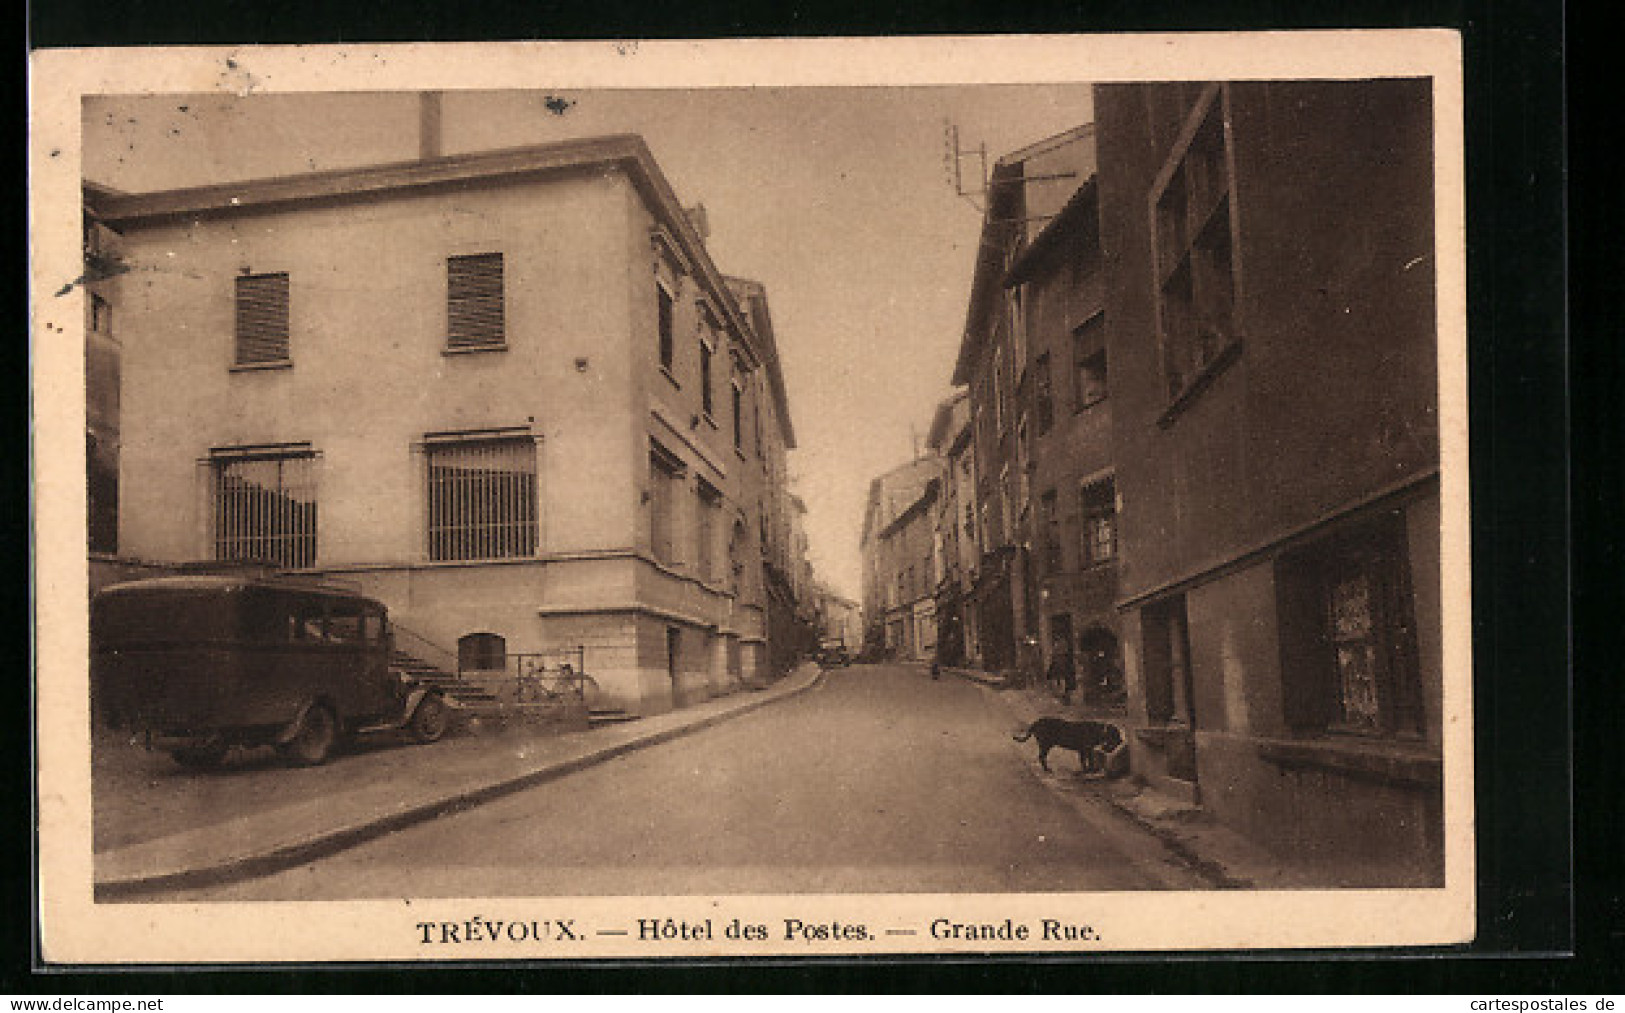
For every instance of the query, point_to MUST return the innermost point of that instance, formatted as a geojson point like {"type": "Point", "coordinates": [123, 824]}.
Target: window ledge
{"type": "Point", "coordinates": [256, 367]}
{"type": "Point", "coordinates": [709, 420]}
{"type": "Point", "coordinates": [665, 372]}
{"type": "Point", "coordinates": [739, 453]}
{"type": "Point", "coordinates": [1203, 380]}
{"type": "Point", "coordinates": [473, 349]}
{"type": "Point", "coordinates": [1080, 409]}
{"type": "Point", "coordinates": [1378, 760]}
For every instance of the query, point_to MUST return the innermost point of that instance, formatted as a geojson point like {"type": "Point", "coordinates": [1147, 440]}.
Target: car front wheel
{"type": "Point", "coordinates": [429, 721]}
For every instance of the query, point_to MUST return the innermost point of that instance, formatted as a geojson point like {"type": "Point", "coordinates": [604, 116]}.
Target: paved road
{"type": "Point", "coordinates": [880, 780]}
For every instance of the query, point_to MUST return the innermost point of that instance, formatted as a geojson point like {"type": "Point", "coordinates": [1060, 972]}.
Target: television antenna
{"type": "Point", "coordinates": [953, 158]}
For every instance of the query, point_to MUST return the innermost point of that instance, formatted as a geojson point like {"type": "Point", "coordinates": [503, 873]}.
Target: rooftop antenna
{"type": "Point", "coordinates": [953, 158]}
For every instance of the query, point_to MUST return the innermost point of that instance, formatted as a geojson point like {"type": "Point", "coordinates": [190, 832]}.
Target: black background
{"type": "Point", "coordinates": [1552, 902]}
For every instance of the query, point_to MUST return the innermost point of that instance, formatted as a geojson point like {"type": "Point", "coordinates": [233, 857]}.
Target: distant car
{"type": "Point", "coordinates": [833, 656]}
{"type": "Point", "coordinates": [198, 664]}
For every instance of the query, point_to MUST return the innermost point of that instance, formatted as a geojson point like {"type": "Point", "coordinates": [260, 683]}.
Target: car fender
{"type": "Point", "coordinates": [291, 729]}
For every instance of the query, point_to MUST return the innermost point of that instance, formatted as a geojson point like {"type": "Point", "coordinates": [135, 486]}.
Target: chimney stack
{"type": "Point", "coordinates": [700, 220]}
{"type": "Point", "coordinates": [429, 125]}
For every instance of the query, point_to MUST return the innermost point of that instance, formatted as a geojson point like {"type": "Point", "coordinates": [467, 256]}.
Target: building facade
{"type": "Point", "coordinates": [1018, 338]}
{"type": "Point", "coordinates": [507, 393]}
{"type": "Point", "coordinates": [1269, 313]}
{"type": "Point", "coordinates": [897, 547]}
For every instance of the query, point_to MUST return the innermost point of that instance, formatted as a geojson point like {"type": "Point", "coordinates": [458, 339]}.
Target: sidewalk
{"type": "Point", "coordinates": [1220, 856]}
{"type": "Point", "coordinates": [268, 818]}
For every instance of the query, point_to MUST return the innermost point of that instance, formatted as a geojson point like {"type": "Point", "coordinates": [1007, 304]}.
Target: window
{"type": "Point", "coordinates": [101, 315]}
{"type": "Point", "coordinates": [265, 506]}
{"type": "Point", "coordinates": [1018, 321]}
{"type": "Point", "coordinates": [1089, 363]}
{"type": "Point", "coordinates": [709, 502]}
{"type": "Point", "coordinates": [474, 310]}
{"type": "Point", "coordinates": [1051, 533]}
{"type": "Point", "coordinates": [756, 420]}
{"type": "Point", "coordinates": [1044, 395]}
{"type": "Point", "coordinates": [262, 319]}
{"type": "Point", "coordinates": [482, 498]}
{"type": "Point", "coordinates": [665, 310]}
{"type": "Point", "coordinates": [998, 390]}
{"type": "Point", "coordinates": [1098, 503]}
{"type": "Point", "coordinates": [482, 652]}
{"type": "Point", "coordinates": [1347, 629]}
{"type": "Point", "coordinates": [705, 377]}
{"type": "Point", "coordinates": [665, 471]}
{"type": "Point", "coordinates": [1195, 255]}
{"type": "Point", "coordinates": [739, 418]}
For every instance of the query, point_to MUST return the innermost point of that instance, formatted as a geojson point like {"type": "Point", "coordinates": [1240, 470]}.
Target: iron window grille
{"type": "Point", "coordinates": [474, 302]}
{"type": "Point", "coordinates": [482, 498]}
{"type": "Point", "coordinates": [265, 506]}
{"type": "Point", "coordinates": [261, 319]}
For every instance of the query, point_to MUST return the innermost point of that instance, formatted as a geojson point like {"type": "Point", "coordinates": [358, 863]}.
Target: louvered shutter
{"type": "Point", "coordinates": [262, 318]}
{"type": "Point", "coordinates": [474, 301]}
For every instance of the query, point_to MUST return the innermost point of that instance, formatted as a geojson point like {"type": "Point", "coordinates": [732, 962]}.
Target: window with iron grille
{"type": "Point", "coordinates": [265, 507]}
{"type": "Point", "coordinates": [262, 318]}
{"type": "Point", "coordinates": [482, 498]}
{"type": "Point", "coordinates": [1347, 624]}
{"type": "Point", "coordinates": [1099, 511]}
{"type": "Point", "coordinates": [474, 302]}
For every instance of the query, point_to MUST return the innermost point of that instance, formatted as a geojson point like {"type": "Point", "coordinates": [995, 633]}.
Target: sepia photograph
{"type": "Point", "coordinates": [634, 500]}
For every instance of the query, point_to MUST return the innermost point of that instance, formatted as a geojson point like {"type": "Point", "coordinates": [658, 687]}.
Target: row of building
{"type": "Point", "coordinates": [1194, 455]}
{"type": "Point", "coordinates": [507, 393]}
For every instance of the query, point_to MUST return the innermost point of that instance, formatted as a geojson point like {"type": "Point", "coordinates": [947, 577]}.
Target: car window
{"type": "Point", "coordinates": [344, 624]}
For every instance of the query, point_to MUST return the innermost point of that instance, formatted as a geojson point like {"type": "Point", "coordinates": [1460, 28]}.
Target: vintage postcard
{"type": "Point", "coordinates": [751, 498]}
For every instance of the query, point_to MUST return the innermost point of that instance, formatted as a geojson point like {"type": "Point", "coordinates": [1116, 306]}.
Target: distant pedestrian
{"type": "Point", "coordinates": [936, 669]}
{"type": "Point", "coordinates": [1061, 671]}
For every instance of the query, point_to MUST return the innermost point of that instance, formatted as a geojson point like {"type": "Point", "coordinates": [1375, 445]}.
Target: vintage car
{"type": "Point", "coordinates": [197, 664]}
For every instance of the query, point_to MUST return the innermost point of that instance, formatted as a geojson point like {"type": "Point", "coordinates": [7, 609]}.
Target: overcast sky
{"type": "Point", "coordinates": [839, 200]}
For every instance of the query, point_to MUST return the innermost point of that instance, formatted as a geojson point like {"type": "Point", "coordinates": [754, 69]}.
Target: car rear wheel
{"type": "Point", "coordinates": [430, 719]}
{"type": "Point", "coordinates": [316, 739]}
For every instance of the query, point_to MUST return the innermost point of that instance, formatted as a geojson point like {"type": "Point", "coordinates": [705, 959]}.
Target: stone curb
{"type": "Point", "coordinates": [328, 842]}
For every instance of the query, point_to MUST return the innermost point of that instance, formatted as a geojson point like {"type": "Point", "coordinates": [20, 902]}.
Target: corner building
{"type": "Point", "coordinates": [507, 393]}
{"type": "Point", "coordinates": [1270, 321]}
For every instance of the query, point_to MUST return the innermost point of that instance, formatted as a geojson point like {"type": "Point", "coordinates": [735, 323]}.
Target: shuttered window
{"type": "Point", "coordinates": [474, 316]}
{"type": "Point", "coordinates": [262, 318]}
{"type": "Point", "coordinates": [482, 499]}
{"type": "Point", "coordinates": [265, 508]}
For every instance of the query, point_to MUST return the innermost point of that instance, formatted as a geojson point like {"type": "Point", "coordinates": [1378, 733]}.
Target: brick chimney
{"type": "Point", "coordinates": [429, 125]}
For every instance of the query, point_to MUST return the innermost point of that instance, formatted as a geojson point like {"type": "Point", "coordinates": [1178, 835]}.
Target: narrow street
{"type": "Point", "coordinates": [880, 780]}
